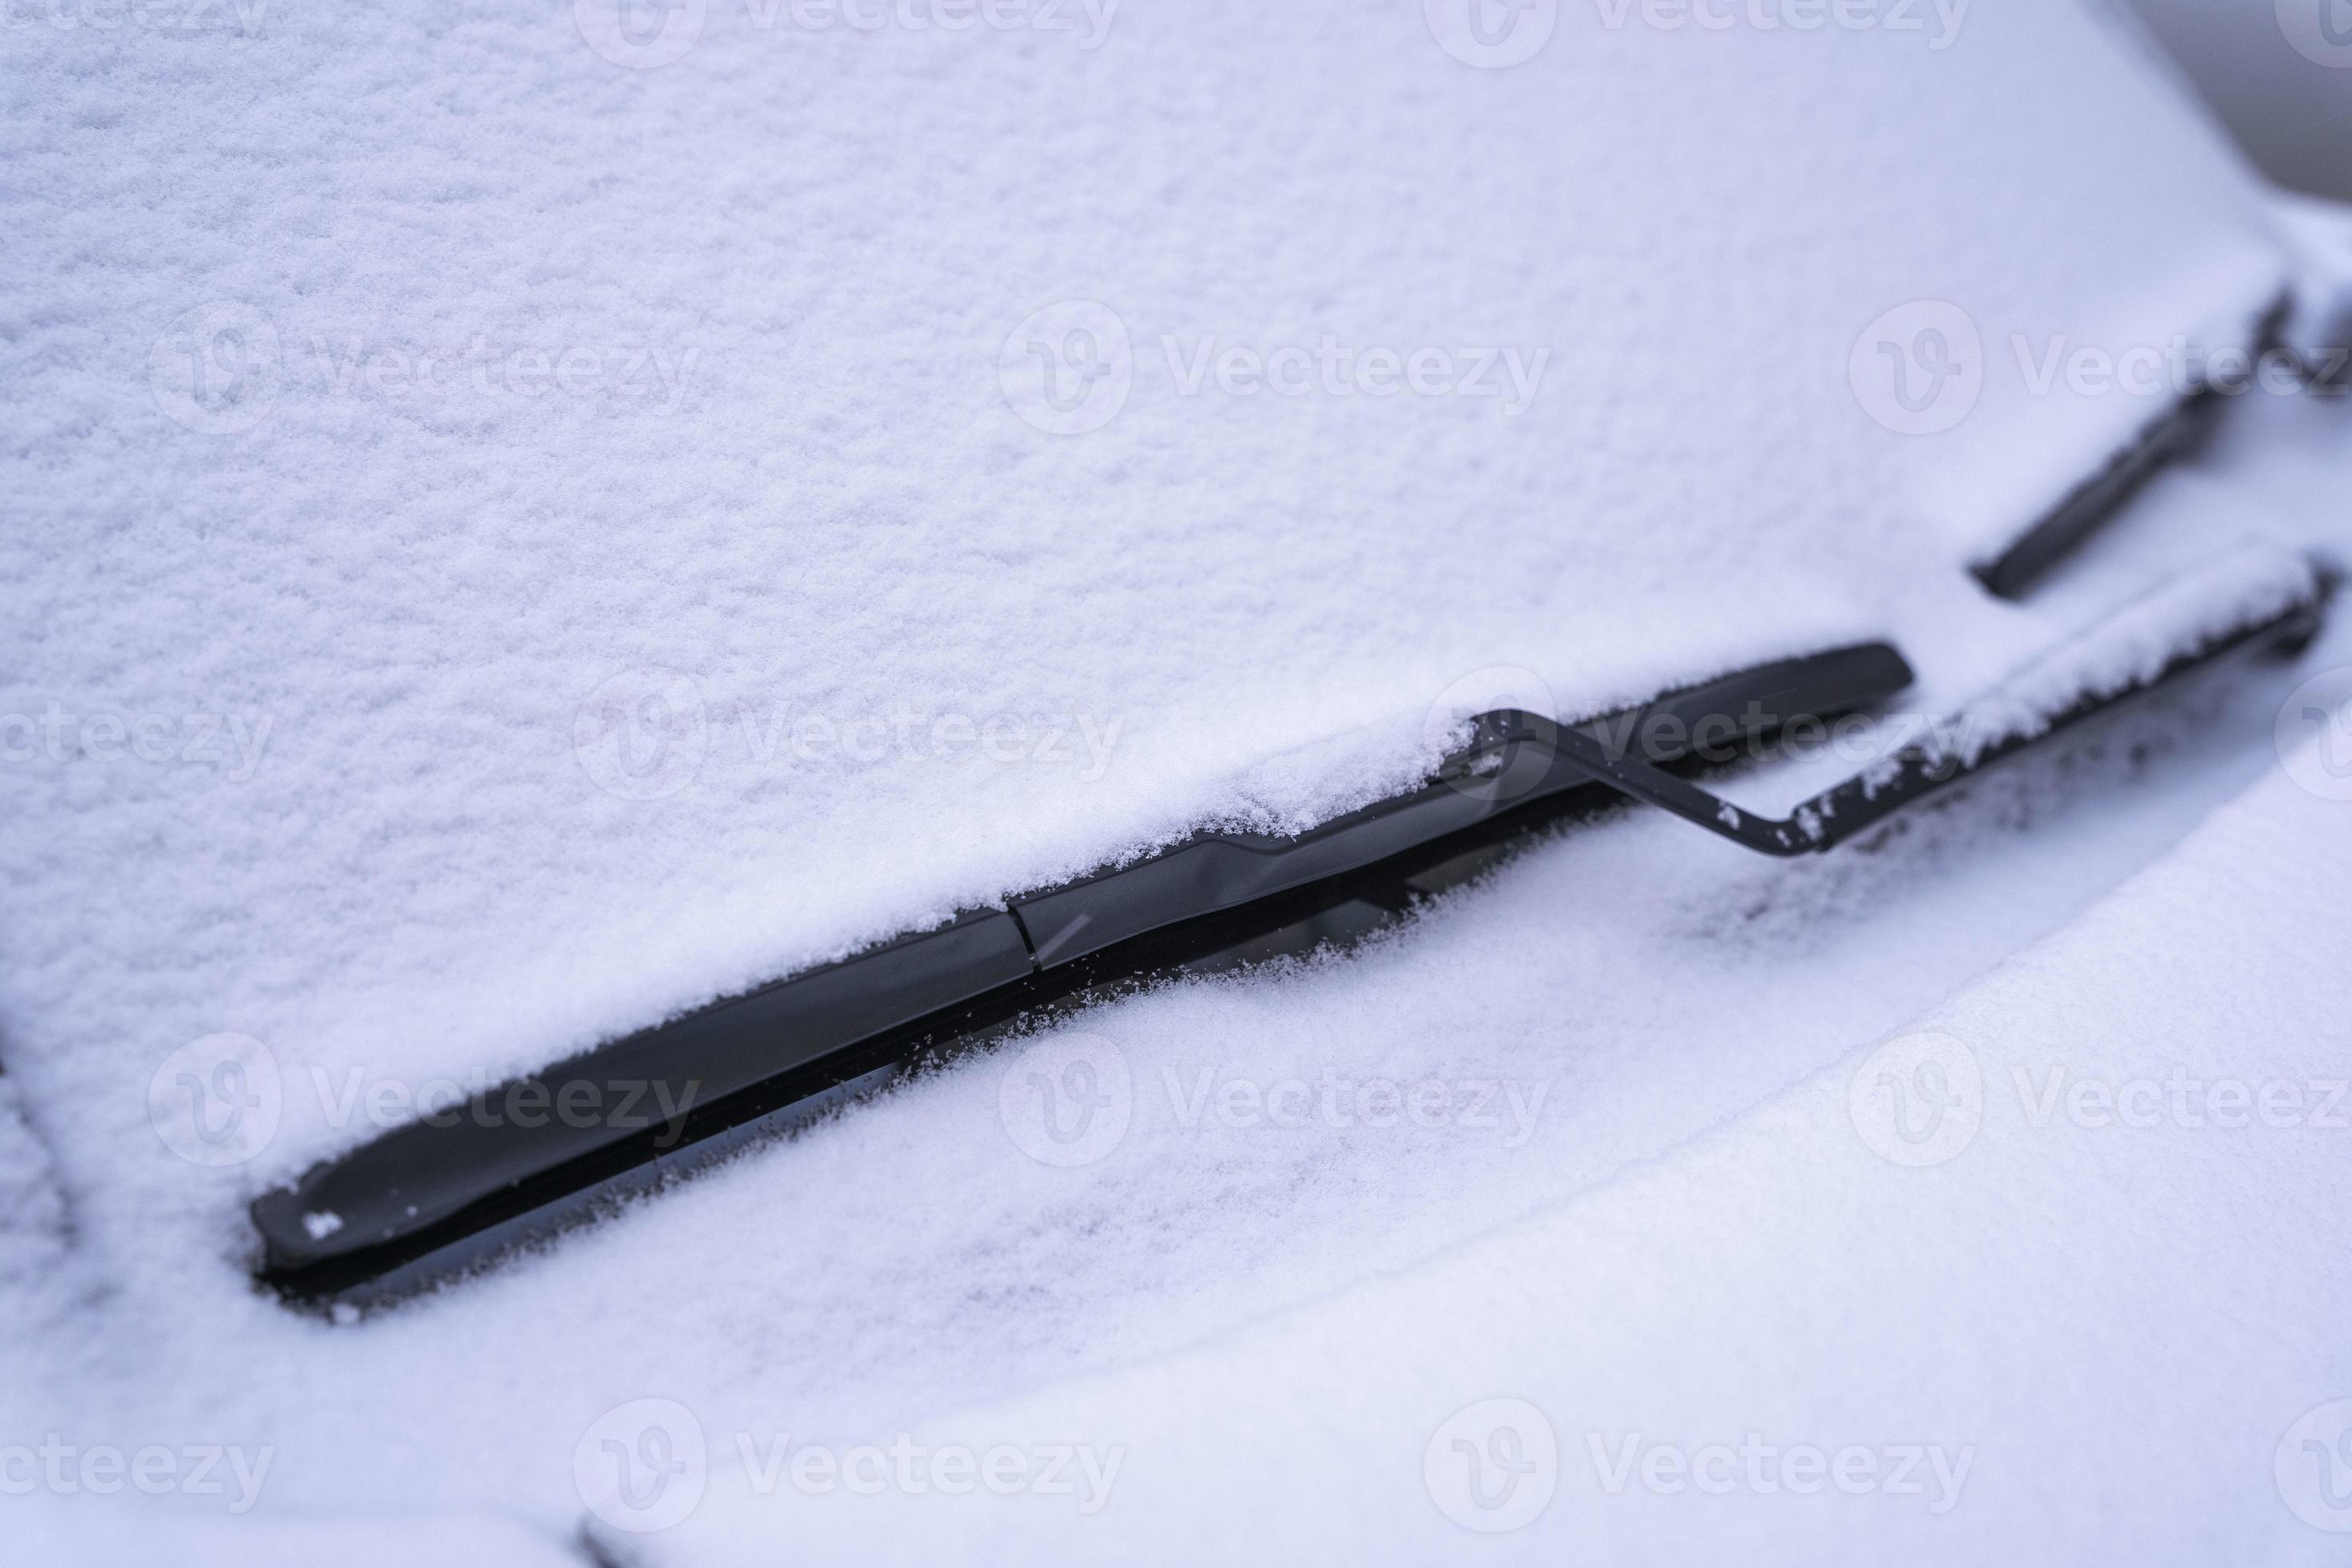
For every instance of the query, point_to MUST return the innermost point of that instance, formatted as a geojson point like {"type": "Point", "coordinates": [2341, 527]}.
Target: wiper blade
{"type": "Point", "coordinates": [508, 1167]}
{"type": "Point", "coordinates": [2174, 434]}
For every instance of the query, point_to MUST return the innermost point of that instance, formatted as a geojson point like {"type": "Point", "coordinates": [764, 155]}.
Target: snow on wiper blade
{"type": "Point", "coordinates": [441, 1196]}
{"type": "Point", "coordinates": [2283, 612]}
{"type": "Point", "coordinates": [509, 1167]}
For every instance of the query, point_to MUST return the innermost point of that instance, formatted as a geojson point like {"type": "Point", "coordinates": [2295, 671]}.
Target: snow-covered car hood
{"type": "Point", "coordinates": [528, 522]}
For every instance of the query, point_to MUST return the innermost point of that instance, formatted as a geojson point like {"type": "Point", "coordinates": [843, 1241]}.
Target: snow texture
{"type": "Point", "coordinates": [435, 622]}
{"type": "Point", "coordinates": [418, 682]}
{"type": "Point", "coordinates": [2249, 587]}
{"type": "Point", "coordinates": [2166, 1293]}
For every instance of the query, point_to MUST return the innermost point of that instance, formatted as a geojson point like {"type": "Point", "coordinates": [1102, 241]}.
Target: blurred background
{"type": "Point", "coordinates": [2278, 72]}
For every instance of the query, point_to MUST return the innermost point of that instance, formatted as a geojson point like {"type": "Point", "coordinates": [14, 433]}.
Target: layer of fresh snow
{"type": "Point", "coordinates": [452, 631]}
{"type": "Point", "coordinates": [2248, 587]}
{"type": "Point", "coordinates": [432, 846]}
{"type": "Point", "coordinates": [1649, 984]}
{"type": "Point", "coordinates": [2094, 1318]}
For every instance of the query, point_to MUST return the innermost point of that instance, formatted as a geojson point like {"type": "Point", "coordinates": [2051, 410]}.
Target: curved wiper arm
{"type": "Point", "coordinates": [1953, 751]}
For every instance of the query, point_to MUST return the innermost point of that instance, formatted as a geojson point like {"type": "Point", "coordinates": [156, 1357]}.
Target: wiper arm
{"type": "Point", "coordinates": [1907, 776]}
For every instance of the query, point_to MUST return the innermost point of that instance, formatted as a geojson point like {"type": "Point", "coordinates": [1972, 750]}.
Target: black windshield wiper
{"type": "Point", "coordinates": [508, 1167]}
